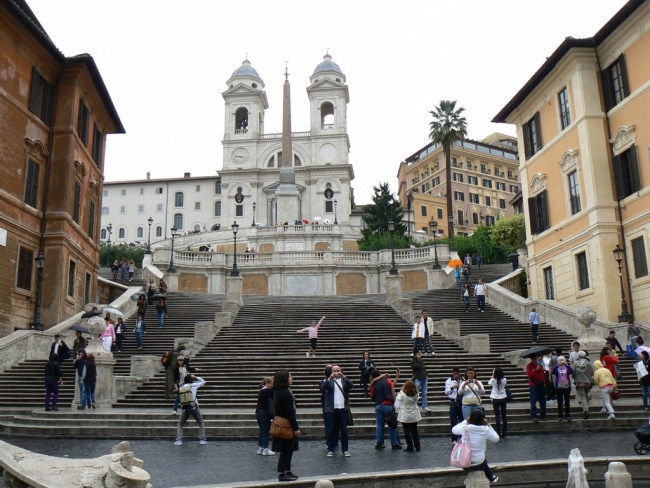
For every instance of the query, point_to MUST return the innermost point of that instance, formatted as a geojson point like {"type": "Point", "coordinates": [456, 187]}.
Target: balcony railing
{"type": "Point", "coordinates": [327, 126]}
{"type": "Point", "coordinates": [486, 171]}
{"type": "Point", "coordinates": [279, 136]}
{"type": "Point", "coordinates": [241, 131]}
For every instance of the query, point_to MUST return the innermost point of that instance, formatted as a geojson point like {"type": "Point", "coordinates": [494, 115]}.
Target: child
{"type": "Point", "coordinates": [409, 415]}
{"type": "Point", "coordinates": [313, 336]}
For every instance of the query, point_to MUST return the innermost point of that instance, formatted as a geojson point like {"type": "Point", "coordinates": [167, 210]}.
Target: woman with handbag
{"type": "Point", "coordinates": [561, 375]}
{"type": "Point", "coordinates": [604, 379]}
{"type": "Point", "coordinates": [264, 414]}
{"type": "Point", "coordinates": [409, 414]}
{"type": "Point", "coordinates": [499, 398]}
{"type": "Point", "coordinates": [471, 389]}
{"type": "Point", "coordinates": [285, 412]}
{"type": "Point", "coordinates": [480, 431]}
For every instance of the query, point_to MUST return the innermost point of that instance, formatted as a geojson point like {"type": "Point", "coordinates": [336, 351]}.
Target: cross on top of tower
{"type": "Point", "coordinates": [286, 70]}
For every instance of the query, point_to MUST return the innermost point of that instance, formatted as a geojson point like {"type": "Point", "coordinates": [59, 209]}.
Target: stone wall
{"type": "Point", "coordinates": [193, 283]}
{"type": "Point", "coordinates": [350, 284]}
{"type": "Point", "coordinates": [256, 284]}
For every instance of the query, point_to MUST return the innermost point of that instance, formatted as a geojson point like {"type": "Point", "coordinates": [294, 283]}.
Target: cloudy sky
{"type": "Point", "coordinates": [166, 64]}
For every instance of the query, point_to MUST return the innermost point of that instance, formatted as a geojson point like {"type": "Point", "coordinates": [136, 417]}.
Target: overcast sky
{"type": "Point", "coordinates": [166, 64]}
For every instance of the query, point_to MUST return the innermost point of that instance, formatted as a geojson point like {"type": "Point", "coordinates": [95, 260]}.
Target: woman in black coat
{"type": "Point", "coordinates": [366, 366]}
{"type": "Point", "coordinates": [285, 406]}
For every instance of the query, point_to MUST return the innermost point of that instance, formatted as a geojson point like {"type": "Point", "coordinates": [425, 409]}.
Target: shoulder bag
{"type": "Point", "coordinates": [281, 427]}
{"type": "Point", "coordinates": [478, 406]}
{"type": "Point", "coordinates": [347, 405]}
{"type": "Point", "coordinates": [461, 454]}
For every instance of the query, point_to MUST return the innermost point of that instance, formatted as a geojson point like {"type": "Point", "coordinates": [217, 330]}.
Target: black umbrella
{"type": "Point", "coordinates": [535, 351]}
{"type": "Point", "coordinates": [92, 313]}
{"type": "Point", "coordinates": [80, 328]}
{"type": "Point", "coordinates": [158, 296]}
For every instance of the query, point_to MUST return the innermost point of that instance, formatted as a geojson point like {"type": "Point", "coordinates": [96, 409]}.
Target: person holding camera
{"type": "Point", "coordinates": [472, 389]}
{"type": "Point", "coordinates": [455, 400]}
{"type": "Point", "coordinates": [337, 395]}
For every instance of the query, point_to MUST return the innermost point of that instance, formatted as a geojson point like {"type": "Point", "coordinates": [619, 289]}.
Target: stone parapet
{"type": "Point", "coordinates": [475, 343]}
{"type": "Point", "coordinates": [393, 288]}
{"type": "Point", "coordinates": [449, 328]}
{"type": "Point", "coordinates": [235, 289]}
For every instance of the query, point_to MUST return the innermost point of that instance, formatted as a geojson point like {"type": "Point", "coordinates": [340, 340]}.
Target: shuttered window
{"type": "Point", "coordinates": [574, 193]}
{"type": "Point", "coordinates": [532, 136]}
{"type": "Point", "coordinates": [548, 283]}
{"type": "Point", "coordinates": [83, 122]}
{"type": "Point", "coordinates": [626, 173]}
{"type": "Point", "coordinates": [615, 83]}
{"type": "Point", "coordinates": [538, 212]}
{"type": "Point", "coordinates": [41, 98]}
{"type": "Point", "coordinates": [76, 209]}
{"type": "Point", "coordinates": [98, 146]}
{"type": "Point", "coordinates": [582, 271]}
{"type": "Point", "coordinates": [25, 267]}
{"type": "Point", "coordinates": [639, 258]}
{"type": "Point", "coordinates": [87, 289]}
{"type": "Point", "coordinates": [91, 220]}
{"type": "Point", "coordinates": [72, 272]}
{"type": "Point", "coordinates": [31, 186]}
{"type": "Point", "coordinates": [565, 110]}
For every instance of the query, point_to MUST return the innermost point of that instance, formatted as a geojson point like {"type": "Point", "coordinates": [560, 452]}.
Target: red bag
{"type": "Point", "coordinates": [461, 455]}
{"type": "Point", "coordinates": [616, 394]}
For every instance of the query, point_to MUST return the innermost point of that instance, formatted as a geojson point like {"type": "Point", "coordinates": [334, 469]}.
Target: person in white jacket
{"type": "Point", "coordinates": [480, 431]}
{"type": "Point", "coordinates": [417, 334]}
{"type": "Point", "coordinates": [409, 414]}
{"type": "Point", "coordinates": [194, 382]}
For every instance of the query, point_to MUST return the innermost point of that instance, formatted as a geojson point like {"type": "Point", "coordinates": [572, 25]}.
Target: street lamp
{"type": "Point", "coordinates": [235, 271]}
{"type": "Point", "coordinates": [391, 229]}
{"type": "Point", "coordinates": [336, 222]}
{"type": "Point", "coordinates": [108, 243]}
{"type": "Point", "coordinates": [40, 264]}
{"type": "Point", "coordinates": [171, 268]}
{"type": "Point", "coordinates": [433, 225]}
{"type": "Point", "coordinates": [150, 221]}
{"type": "Point", "coordinates": [618, 256]}
{"type": "Point", "coordinates": [254, 206]}
{"type": "Point", "coordinates": [452, 242]}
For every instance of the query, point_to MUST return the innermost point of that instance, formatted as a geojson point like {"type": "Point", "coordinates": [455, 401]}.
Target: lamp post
{"type": "Point", "coordinates": [235, 271]}
{"type": "Point", "coordinates": [618, 256]}
{"type": "Point", "coordinates": [391, 229]}
{"type": "Point", "coordinates": [433, 225]}
{"type": "Point", "coordinates": [108, 243]}
{"type": "Point", "coordinates": [336, 222]}
{"type": "Point", "coordinates": [452, 242]}
{"type": "Point", "coordinates": [149, 221]}
{"type": "Point", "coordinates": [171, 268]}
{"type": "Point", "coordinates": [409, 199]}
{"type": "Point", "coordinates": [40, 264]}
{"type": "Point", "coordinates": [254, 207]}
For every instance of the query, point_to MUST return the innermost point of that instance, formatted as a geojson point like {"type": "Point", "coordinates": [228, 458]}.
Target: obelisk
{"type": "Point", "coordinates": [287, 196]}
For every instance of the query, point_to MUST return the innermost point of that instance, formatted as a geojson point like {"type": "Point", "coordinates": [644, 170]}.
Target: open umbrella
{"type": "Point", "coordinates": [642, 348]}
{"type": "Point", "coordinates": [305, 221]}
{"type": "Point", "coordinates": [455, 262]}
{"type": "Point", "coordinates": [158, 296]}
{"type": "Point", "coordinates": [137, 295]}
{"type": "Point", "coordinates": [317, 219]}
{"type": "Point", "coordinates": [327, 221]}
{"type": "Point", "coordinates": [92, 313]}
{"type": "Point", "coordinates": [113, 311]}
{"type": "Point", "coordinates": [80, 328]}
{"type": "Point", "coordinates": [89, 306]}
{"type": "Point", "coordinates": [535, 351]}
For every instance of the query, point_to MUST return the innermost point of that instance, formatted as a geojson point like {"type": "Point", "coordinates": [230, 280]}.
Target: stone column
{"type": "Point", "coordinates": [438, 279]}
{"type": "Point", "coordinates": [393, 288]}
{"type": "Point", "coordinates": [476, 479]}
{"type": "Point", "coordinates": [235, 289]}
{"type": "Point", "coordinates": [589, 340]}
{"type": "Point", "coordinates": [105, 362]}
{"type": "Point", "coordinates": [617, 476]}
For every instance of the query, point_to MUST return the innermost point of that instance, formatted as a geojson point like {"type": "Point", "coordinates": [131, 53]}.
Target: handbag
{"type": "Point", "coordinates": [509, 396]}
{"type": "Point", "coordinates": [391, 420]}
{"type": "Point", "coordinates": [347, 406]}
{"type": "Point", "coordinates": [461, 454]}
{"type": "Point", "coordinates": [616, 394]}
{"type": "Point", "coordinates": [281, 428]}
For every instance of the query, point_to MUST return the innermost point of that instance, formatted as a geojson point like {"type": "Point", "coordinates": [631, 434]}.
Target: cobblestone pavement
{"type": "Point", "coordinates": [235, 461]}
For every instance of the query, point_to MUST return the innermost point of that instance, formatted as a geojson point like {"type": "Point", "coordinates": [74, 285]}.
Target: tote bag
{"type": "Point", "coordinates": [461, 455]}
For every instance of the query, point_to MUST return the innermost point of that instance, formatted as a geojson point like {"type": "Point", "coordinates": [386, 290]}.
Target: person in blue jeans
{"type": "Point", "coordinates": [382, 390]}
{"type": "Point", "coordinates": [457, 275]}
{"type": "Point", "coordinates": [264, 416]}
{"type": "Point", "coordinates": [161, 308]}
{"type": "Point", "coordinates": [420, 377]}
{"type": "Point", "coordinates": [139, 331]}
{"type": "Point", "coordinates": [467, 296]}
{"type": "Point", "coordinates": [89, 379]}
{"type": "Point", "coordinates": [536, 388]}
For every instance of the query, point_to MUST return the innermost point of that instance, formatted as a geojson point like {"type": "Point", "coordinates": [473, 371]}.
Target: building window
{"type": "Point", "coordinates": [159, 191]}
{"type": "Point", "coordinates": [217, 208]}
{"type": "Point", "coordinates": [423, 210]}
{"type": "Point", "coordinates": [140, 232]}
{"type": "Point", "coordinates": [458, 177]}
{"type": "Point", "coordinates": [565, 110]}
{"type": "Point", "coordinates": [159, 207]}
{"type": "Point", "coordinates": [239, 210]}
{"type": "Point", "coordinates": [538, 211]}
{"type": "Point", "coordinates": [76, 206]}
{"type": "Point", "coordinates": [626, 173]}
{"type": "Point", "coordinates": [122, 209]}
{"type": "Point", "coordinates": [121, 234]}
{"type": "Point", "coordinates": [459, 196]}
{"type": "Point", "coordinates": [475, 218]}
{"type": "Point", "coordinates": [87, 289]}
{"type": "Point", "coordinates": [217, 188]}
{"type": "Point", "coordinates": [461, 217]}
{"type": "Point", "coordinates": [489, 220]}
{"type": "Point", "coordinates": [91, 220]}
{"type": "Point", "coordinates": [31, 187]}
{"type": "Point", "coordinates": [72, 271]}
{"type": "Point", "coordinates": [105, 210]}
{"type": "Point", "coordinates": [548, 283]}
{"type": "Point", "coordinates": [487, 183]}
{"type": "Point", "coordinates": [102, 234]}
{"type": "Point", "coordinates": [615, 83]}
{"type": "Point", "coordinates": [178, 221]}
{"type": "Point", "coordinates": [105, 193]}
{"type": "Point", "coordinates": [639, 257]}
{"type": "Point", "coordinates": [532, 136]}
{"type": "Point", "coordinates": [25, 267]}
{"type": "Point", "coordinates": [502, 203]}
{"type": "Point", "coordinates": [329, 206]}
{"type": "Point", "coordinates": [574, 192]}
{"type": "Point", "coordinates": [197, 205]}
{"type": "Point", "coordinates": [158, 231]}
{"type": "Point", "coordinates": [488, 201]}
{"type": "Point", "coordinates": [583, 271]}
{"type": "Point", "coordinates": [439, 213]}
{"type": "Point", "coordinates": [501, 186]}
{"type": "Point", "coordinates": [514, 188]}
{"type": "Point", "coordinates": [436, 181]}
{"type": "Point", "coordinates": [140, 208]}
{"type": "Point", "coordinates": [473, 197]}
{"type": "Point", "coordinates": [425, 187]}
{"type": "Point", "coordinates": [123, 193]}
{"type": "Point", "coordinates": [473, 180]}
{"type": "Point", "coordinates": [83, 122]}
{"type": "Point", "coordinates": [179, 199]}
{"type": "Point", "coordinates": [98, 146]}
{"type": "Point", "coordinates": [141, 191]}
{"type": "Point", "coordinates": [41, 99]}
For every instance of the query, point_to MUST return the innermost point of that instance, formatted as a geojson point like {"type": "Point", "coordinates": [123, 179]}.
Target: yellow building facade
{"type": "Point", "coordinates": [582, 120]}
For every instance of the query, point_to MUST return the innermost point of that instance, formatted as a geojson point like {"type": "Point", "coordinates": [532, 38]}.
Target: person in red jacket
{"type": "Point", "coordinates": [609, 360]}
{"type": "Point", "coordinates": [537, 388]}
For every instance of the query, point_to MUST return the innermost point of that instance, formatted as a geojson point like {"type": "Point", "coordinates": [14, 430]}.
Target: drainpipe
{"type": "Point", "coordinates": [618, 203]}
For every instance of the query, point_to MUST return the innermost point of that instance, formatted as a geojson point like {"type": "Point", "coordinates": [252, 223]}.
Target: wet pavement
{"type": "Point", "coordinates": [236, 461]}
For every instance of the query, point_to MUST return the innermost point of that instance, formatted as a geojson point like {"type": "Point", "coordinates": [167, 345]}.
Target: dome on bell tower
{"type": "Point", "coordinates": [327, 65]}
{"type": "Point", "coordinates": [246, 74]}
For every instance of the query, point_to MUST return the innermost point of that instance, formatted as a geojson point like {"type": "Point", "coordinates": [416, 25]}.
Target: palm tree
{"type": "Point", "coordinates": [447, 127]}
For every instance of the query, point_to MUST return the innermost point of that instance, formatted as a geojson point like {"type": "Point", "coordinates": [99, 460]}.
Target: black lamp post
{"type": "Point", "coordinates": [235, 271]}
{"type": "Point", "coordinates": [254, 206]}
{"type": "Point", "coordinates": [391, 229]}
{"type": "Point", "coordinates": [336, 222]}
{"type": "Point", "coordinates": [150, 221]}
{"type": "Point", "coordinates": [433, 225]}
{"type": "Point", "coordinates": [618, 255]}
{"type": "Point", "coordinates": [171, 268]}
{"type": "Point", "coordinates": [108, 243]}
{"type": "Point", "coordinates": [40, 264]}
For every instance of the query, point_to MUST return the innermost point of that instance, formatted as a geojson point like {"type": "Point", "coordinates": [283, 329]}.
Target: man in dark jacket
{"type": "Point", "coordinates": [336, 389]}
{"type": "Point", "coordinates": [420, 377]}
{"type": "Point", "coordinates": [382, 391]}
{"type": "Point", "coordinates": [60, 348]}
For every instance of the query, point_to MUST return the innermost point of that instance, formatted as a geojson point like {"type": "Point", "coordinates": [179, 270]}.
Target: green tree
{"type": "Point", "coordinates": [384, 208]}
{"type": "Point", "coordinates": [108, 254]}
{"type": "Point", "coordinates": [510, 231]}
{"type": "Point", "coordinates": [448, 127]}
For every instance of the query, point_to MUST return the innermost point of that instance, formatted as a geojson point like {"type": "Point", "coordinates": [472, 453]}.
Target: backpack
{"type": "Point", "coordinates": [166, 359]}
{"type": "Point", "coordinates": [581, 365]}
{"type": "Point", "coordinates": [186, 397]}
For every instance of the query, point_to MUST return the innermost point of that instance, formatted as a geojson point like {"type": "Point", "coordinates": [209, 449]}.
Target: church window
{"type": "Point", "coordinates": [140, 232]}
{"type": "Point", "coordinates": [197, 228]}
{"type": "Point", "coordinates": [327, 115]}
{"type": "Point", "coordinates": [217, 188]}
{"type": "Point", "coordinates": [179, 199]}
{"type": "Point", "coordinates": [296, 160]}
{"type": "Point", "coordinates": [217, 208]}
{"type": "Point", "coordinates": [239, 211]}
{"type": "Point", "coordinates": [216, 227]}
{"type": "Point", "coordinates": [271, 163]}
{"type": "Point", "coordinates": [159, 231]}
{"type": "Point", "coordinates": [241, 121]}
{"type": "Point", "coordinates": [178, 221]}
{"type": "Point", "coordinates": [329, 206]}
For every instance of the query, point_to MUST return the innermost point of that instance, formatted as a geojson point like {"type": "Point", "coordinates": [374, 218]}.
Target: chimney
{"type": "Point", "coordinates": [148, 175]}
{"type": "Point", "coordinates": [187, 175]}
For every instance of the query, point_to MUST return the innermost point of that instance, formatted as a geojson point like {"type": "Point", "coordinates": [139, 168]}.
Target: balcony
{"type": "Point", "coordinates": [279, 136]}
{"type": "Point", "coordinates": [327, 126]}
{"type": "Point", "coordinates": [513, 177]}
{"type": "Point", "coordinates": [241, 131]}
{"type": "Point", "coordinates": [486, 171]}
